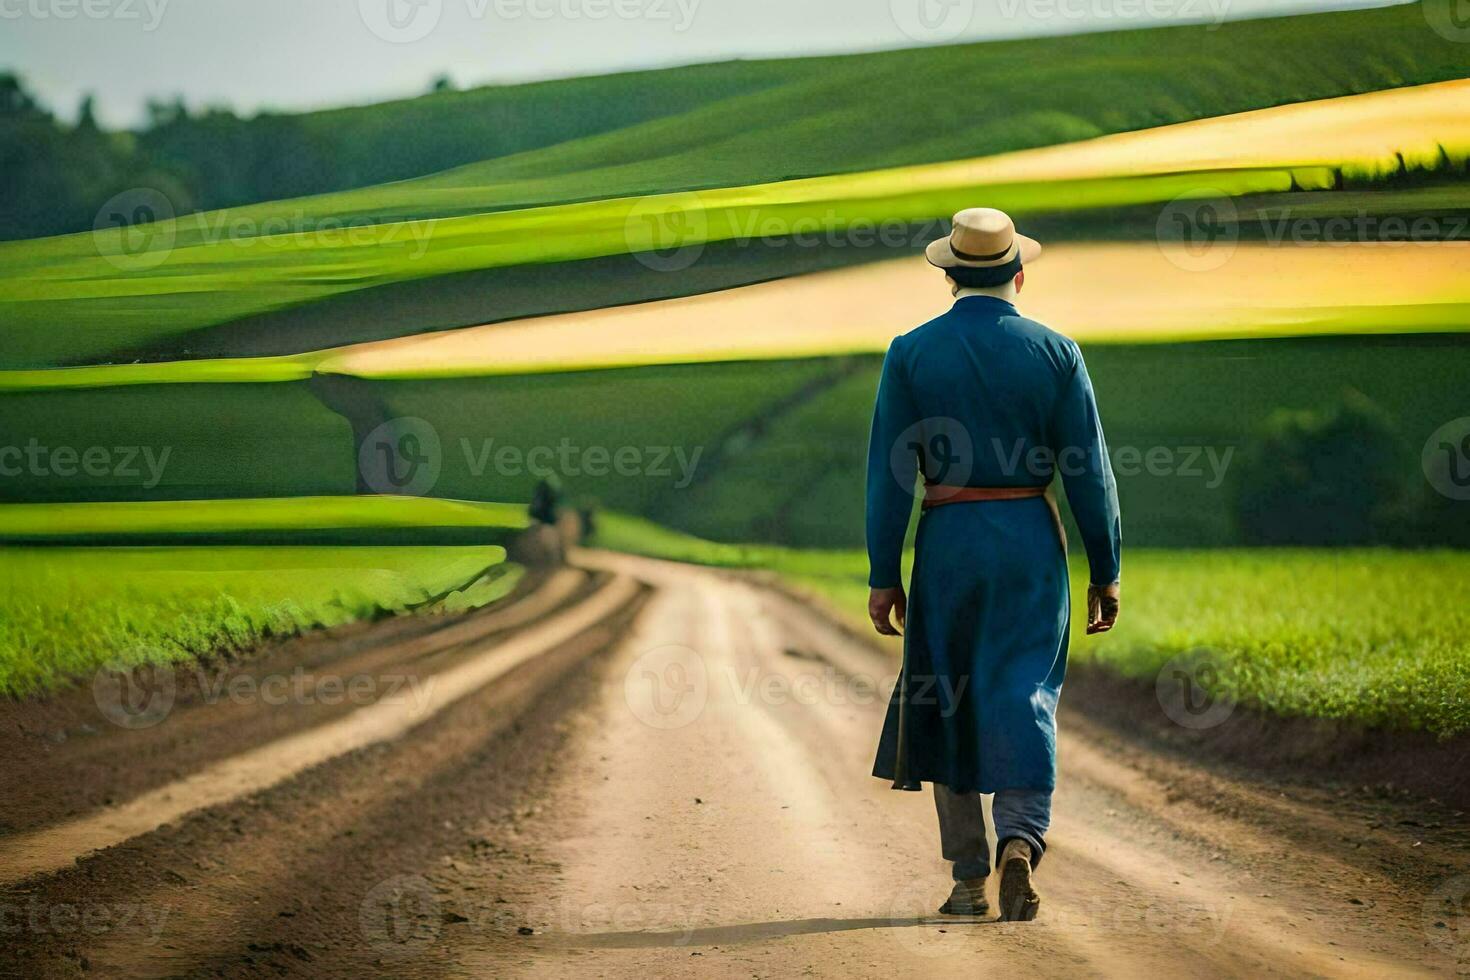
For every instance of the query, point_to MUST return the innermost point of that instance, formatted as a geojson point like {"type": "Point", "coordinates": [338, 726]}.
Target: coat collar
{"type": "Point", "coordinates": [993, 305]}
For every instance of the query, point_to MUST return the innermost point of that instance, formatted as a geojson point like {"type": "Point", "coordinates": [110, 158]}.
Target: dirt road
{"type": "Point", "coordinates": [678, 783]}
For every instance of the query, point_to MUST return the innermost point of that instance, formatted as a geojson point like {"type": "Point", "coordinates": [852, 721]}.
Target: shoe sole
{"type": "Point", "coordinates": [979, 910]}
{"type": "Point", "coordinates": [1018, 902]}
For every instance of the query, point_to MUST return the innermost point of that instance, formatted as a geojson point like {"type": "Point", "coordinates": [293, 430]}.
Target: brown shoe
{"type": "Point", "coordinates": [1018, 899]}
{"type": "Point", "coordinates": [968, 898]}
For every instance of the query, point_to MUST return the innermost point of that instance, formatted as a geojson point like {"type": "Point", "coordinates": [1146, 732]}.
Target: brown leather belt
{"type": "Point", "coordinates": [937, 494]}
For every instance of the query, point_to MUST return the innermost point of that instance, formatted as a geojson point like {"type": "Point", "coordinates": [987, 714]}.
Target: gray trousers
{"type": "Point", "coordinates": [1018, 813]}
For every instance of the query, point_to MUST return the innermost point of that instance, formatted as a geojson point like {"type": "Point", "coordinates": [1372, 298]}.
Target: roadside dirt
{"type": "Point", "coordinates": [96, 745]}
{"type": "Point", "coordinates": [684, 788]}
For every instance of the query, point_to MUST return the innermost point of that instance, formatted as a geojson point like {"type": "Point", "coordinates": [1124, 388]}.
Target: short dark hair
{"type": "Point", "coordinates": [984, 278]}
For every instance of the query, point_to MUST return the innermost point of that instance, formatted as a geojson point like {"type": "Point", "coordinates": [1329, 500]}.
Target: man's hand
{"type": "Point", "coordinates": [1102, 607]}
{"type": "Point", "coordinates": [883, 601]}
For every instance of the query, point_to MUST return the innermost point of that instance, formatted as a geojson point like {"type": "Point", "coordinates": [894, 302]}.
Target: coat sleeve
{"type": "Point", "coordinates": [891, 476]}
{"type": "Point", "coordinates": [1087, 474]}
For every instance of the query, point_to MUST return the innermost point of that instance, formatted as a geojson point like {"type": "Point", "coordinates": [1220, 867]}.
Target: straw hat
{"type": "Point", "coordinates": [982, 238]}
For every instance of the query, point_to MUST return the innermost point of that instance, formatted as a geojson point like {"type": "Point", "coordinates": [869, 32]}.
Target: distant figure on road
{"type": "Point", "coordinates": [546, 501]}
{"type": "Point", "coordinates": [988, 406]}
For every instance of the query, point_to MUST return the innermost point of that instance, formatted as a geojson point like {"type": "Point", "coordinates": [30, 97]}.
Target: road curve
{"type": "Point", "coordinates": [722, 808]}
{"type": "Point", "coordinates": [662, 782]}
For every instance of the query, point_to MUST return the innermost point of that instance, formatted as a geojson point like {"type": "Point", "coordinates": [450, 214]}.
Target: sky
{"type": "Point", "coordinates": [298, 54]}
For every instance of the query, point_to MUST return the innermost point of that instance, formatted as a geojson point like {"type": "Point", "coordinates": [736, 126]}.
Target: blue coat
{"type": "Point", "coordinates": [982, 396]}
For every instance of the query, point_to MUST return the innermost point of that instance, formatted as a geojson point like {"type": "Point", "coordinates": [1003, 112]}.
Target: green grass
{"type": "Point", "coordinates": [162, 311]}
{"type": "Point", "coordinates": [801, 482]}
{"type": "Point", "coordinates": [273, 440]}
{"type": "Point", "coordinates": [770, 467]}
{"type": "Point", "coordinates": [163, 520]}
{"type": "Point", "coordinates": [1369, 636]}
{"type": "Point", "coordinates": [278, 440]}
{"type": "Point", "coordinates": [716, 125]}
{"type": "Point", "coordinates": [674, 419]}
{"type": "Point", "coordinates": [1372, 636]}
{"type": "Point", "coordinates": [65, 612]}
{"type": "Point", "coordinates": [64, 302]}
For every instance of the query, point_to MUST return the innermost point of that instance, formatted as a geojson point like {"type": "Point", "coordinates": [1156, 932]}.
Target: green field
{"type": "Point", "coordinates": [89, 298]}
{"type": "Point", "coordinates": [771, 451]}
{"type": "Point", "coordinates": [753, 120]}
{"type": "Point", "coordinates": [1370, 636]}
{"type": "Point", "coordinates": [65, 612]}
{"type": "Point", "coordinates": [756, 118]}
{"type": "Point", "coordinates": [289, 518]}
{"type": "Point", "coordinates": [201, 350]}
{"type": "Point", "coordinates": [65, 302]}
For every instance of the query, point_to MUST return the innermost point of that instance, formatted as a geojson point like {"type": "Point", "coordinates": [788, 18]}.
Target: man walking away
{"type": "Point", "coordinates": [988, 406]}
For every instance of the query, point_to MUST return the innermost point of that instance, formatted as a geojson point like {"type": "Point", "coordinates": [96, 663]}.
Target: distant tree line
{"type": "Point", "coordinates": [55, 176]}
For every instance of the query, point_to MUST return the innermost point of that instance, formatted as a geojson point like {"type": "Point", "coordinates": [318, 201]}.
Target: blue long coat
{"type": "Point", "coordinates": [982, 396]}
